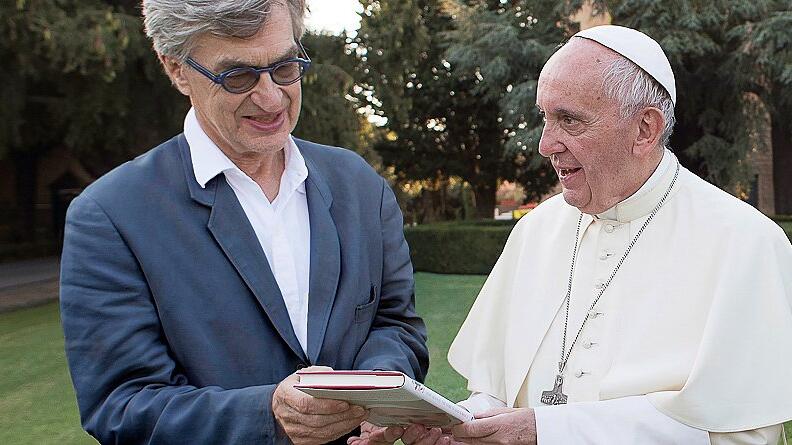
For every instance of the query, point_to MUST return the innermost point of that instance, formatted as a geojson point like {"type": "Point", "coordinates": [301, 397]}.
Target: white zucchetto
{"type": "Point", "coordinates": [638, 48]}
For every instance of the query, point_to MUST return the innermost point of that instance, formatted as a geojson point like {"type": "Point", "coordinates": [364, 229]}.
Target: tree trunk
{"type": "Point", "coordinates": [782, 166]}
{"type": "Point", "coordinates": [25, 166]}
{"type": "Point", "coordinates": [485, 192]}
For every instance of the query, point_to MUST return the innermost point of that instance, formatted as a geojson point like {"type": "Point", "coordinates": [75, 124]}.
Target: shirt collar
{"type": "Point", "coordinates": [646, 198]}
{"type": "Point", "coordinates": [209, 161]}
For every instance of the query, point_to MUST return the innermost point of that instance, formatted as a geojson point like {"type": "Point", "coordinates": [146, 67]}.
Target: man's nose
{"type": "Point", "coordinates": [549, 144]}
{"type": "Point", "coordinates": [266, 93]}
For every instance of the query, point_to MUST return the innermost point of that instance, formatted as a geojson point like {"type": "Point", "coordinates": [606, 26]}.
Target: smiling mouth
{"type": "Point", "coordinates": [564, 172]}
{"type": "Point", "coordinates": [265, 119]}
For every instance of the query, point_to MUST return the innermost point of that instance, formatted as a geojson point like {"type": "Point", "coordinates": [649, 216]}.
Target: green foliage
{"type": "Point", "coordinates": [80, 74]}
{"type": "Point", "coordinates": [457, 248]}
{"type": "Point", "coordinates": [329, 112]}
{"type": "Point", "coordinates": [502, 46]}
{"type": "Point", "coordinates": [440, 120]}
{"type": "Point", "coordinates": [719, 51]}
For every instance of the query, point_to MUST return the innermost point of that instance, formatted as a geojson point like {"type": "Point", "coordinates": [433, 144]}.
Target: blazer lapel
{"type": "Point", "coordinates": [325, 258]}
{"type": "Point", "coordinates": [232, 230]}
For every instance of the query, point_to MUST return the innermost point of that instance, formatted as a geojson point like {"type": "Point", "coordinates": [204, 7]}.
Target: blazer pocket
{"type": "Point", "coordinates": [365, 312]}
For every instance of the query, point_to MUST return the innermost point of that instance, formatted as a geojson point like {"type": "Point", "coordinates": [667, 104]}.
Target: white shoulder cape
{"type": "Point", "coordinates": [705, 319]}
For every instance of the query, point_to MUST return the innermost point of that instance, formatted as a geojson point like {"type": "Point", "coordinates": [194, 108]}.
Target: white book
{"type": "Point", "coordinates": [392, 398]}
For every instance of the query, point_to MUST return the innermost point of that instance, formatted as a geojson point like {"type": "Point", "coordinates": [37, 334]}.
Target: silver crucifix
{"type": "Point", "coordinates": [555, 396]}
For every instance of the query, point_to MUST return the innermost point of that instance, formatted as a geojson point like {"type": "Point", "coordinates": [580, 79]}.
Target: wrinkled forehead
{"type": "Point", "coordinates": [274, 41]}
{"type": "Point", "coordinates": [577, 68]}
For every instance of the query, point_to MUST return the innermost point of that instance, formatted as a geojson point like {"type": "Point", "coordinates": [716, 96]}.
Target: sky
{"type": "Point", "coordinates": [333, 16]}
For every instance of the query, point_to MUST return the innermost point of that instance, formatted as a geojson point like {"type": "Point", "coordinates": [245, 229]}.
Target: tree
{"type": "Point", "coordinates": [71, 66]}
{"type": "Point", "coordinates": [80, 75]}
{"type": "Point", "coordinates": [765, 62]}
{"type": "Point", "coordinates": [439, 122]}
{"type": "Point", "coordinates": [502, 46]}
{"type": "Point", "coordinates": [329, 112]}
{"type": "Point", "coordinates": [721, 50]}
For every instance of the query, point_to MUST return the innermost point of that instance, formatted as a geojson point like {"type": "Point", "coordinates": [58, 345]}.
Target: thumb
{"type": "Point", "coordinates": [474, 428]}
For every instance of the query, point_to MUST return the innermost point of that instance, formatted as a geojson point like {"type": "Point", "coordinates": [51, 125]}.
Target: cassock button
{"type": "Point", "coordinates": [588, 344]}
{"type": "Point", "coordinates": [604, 255]}
{"type": "Point", "coordinates": [594, 314]}
{"type": "Point", "coordinates": [580, 373]}
{"type": "Point", "coordinates": [599, 284]}
{"type": "Point", "coordinates": [609, 228]}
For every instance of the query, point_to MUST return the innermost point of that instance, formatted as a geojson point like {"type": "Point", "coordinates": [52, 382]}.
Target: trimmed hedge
{"type": "Point", "coordinates": [457, 248]}
{"type": "Point", "coordinates": [472, 247]}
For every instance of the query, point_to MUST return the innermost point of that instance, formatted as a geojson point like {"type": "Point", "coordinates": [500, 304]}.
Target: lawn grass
{"type": "Point", "coordinates": [444, 301]}
{"type": "Point", "coordinates": [37, 404]}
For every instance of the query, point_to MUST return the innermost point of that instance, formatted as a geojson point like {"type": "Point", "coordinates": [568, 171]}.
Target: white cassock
{"type": "Point", "coordinates": [690, 343]}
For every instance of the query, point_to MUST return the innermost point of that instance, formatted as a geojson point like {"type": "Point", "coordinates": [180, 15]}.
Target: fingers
{"type": "Point", "coordinates": [306, 419]}
{"type": "Point", "coordinates": [376, 436]}
{"type": "Point", "coordinates": [303, 403]}
{"type": "Point", "coordinates": [307, 405]}
{"type": "Point", "coordinates": [386, 435]}
{"type": "Point", "coordinates": [475, 429]}
{"type": "Point", "coordinates": [413, 433]}
{"type": "Point", "coordinates": [420, 435]}
{"type": "Point", "coordinates": [320, 418]}
{"type": "Point", "coordinates": [300, 433]}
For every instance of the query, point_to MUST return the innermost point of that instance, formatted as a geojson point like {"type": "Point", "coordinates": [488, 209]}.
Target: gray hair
{"type": "Point", "coordinates": [175, 25]}
{"type": "Point", "coordinates": [634, 89]}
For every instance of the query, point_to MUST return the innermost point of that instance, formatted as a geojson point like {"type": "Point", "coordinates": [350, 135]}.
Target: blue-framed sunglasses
{"type": "Point", "coordinates": [242, 79]}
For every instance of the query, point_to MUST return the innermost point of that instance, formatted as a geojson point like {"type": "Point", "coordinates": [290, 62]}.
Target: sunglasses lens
{"type": "Point", "coordinates": [241, 80]}
{"type": "Point", "coordinates": [287, 73]}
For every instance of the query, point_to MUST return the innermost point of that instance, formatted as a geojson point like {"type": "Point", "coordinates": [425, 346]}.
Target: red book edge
{"type": "Point", "coordinates": [347, 388]}
{"type": "Point", "coordinates": [383, 373]}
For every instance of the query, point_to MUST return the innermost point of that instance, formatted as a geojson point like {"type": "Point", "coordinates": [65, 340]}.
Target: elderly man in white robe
{"type": "Point", "coordinates": [641, 306]}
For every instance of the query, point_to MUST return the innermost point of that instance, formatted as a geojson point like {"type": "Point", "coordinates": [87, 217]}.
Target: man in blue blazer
{"type": "Point", "coordinates": [198, 278]}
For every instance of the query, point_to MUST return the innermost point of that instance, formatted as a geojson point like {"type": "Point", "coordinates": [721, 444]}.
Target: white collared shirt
{"type": "Point", "coordinates": [282, 226]}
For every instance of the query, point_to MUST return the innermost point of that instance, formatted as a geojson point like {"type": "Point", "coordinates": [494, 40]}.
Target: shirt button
{"type": "Point", "coordinates": [588, 344]}
{"type": "Point", "coordinates": [599, 284]}
{"type": "Point", "coordinates": [609, 228]}
{"type": "Point", "coordinates": [580, 373]}
{"type": "Point", "coordinates": [594, 314]}
{"type": "Point", "coordinates": [604, 255]}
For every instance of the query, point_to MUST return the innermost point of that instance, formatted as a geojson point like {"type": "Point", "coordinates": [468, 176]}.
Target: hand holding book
{"type": "Point", "coordinates": [392, 398]}
{"type": "Point", "coordinates": [412, 435]}
{"type": "Point", "coordinates": [297, 414]}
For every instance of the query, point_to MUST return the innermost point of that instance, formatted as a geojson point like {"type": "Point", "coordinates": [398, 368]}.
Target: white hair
{"type": "Point", "coordinates": [175, 25]}
{"type": "Point", "coordinates": [634, 89]}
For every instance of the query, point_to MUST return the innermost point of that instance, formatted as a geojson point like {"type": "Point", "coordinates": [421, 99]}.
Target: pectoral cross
{"type": "Point", "coordinates": [555, 396]}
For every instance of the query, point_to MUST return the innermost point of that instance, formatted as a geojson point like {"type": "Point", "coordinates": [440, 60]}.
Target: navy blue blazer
{"type": "Point", "coordinates": [176, 331]}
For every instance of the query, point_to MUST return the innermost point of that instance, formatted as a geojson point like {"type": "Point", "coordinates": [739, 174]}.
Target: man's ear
{"type": "Point", "coordinates": [176, 72]}
{"type": "Point", "coordinates": [650, 129]}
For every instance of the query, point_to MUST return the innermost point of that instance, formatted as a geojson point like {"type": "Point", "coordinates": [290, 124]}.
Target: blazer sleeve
{"type": "Point", "coordinates": [397, 339]}
{"type": "Point", "coordinates": [129, 389]}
